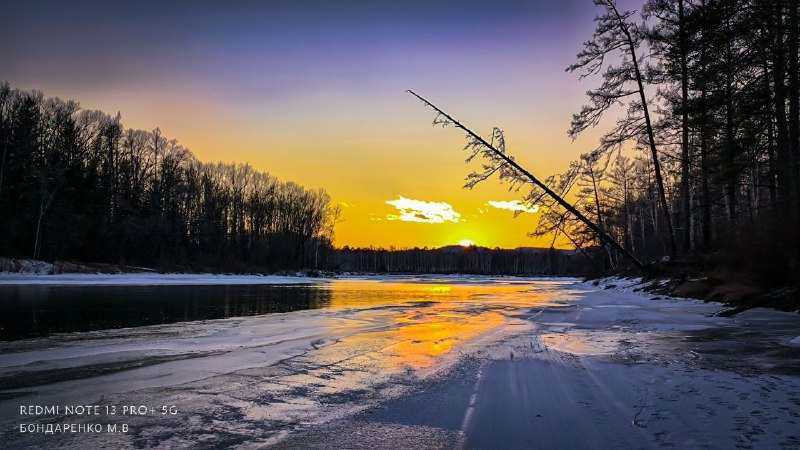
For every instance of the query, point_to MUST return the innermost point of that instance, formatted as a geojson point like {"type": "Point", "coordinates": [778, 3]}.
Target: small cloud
{"type": "Point", "coordinates": [424, 212]}
{"type": "Point", "coordinates": [346, 205]}
{"type": "Point", "coordinates": [514, 205]}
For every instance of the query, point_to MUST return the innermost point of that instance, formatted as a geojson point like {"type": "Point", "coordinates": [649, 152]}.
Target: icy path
{"type": "Point", "coordinates": [486, 363]}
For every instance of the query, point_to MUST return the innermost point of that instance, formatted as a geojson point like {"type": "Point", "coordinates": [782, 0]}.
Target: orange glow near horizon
{"type": "Point", "coordinates": [379, 175]}
{"type": "Point", "coordinates": [317, 96]}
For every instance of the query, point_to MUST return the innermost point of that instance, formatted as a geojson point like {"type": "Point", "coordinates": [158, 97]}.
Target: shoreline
{"type": "Point", "coordinates": [737, 291]}
{"type": "Point", "coordinates": [525, 362]}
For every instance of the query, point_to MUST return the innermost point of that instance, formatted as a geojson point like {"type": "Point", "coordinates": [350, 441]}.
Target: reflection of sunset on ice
{"type": "Point", "coordinates": [435, 318]}
{"type": "Point", "coordinates": [479, 356]}
{"type": "Point", "coordinates": [423, 337]}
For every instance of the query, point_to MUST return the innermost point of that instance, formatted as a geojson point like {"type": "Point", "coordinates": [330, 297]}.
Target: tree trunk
{"type": "Point", "coordinates": [650, 135]}
{"type": "Point", "coordinates": [771, 170]}
{"type": "Point", "coordinates": [597, 210]}
{"type": "Point", "coordinates": [38, 232]}
{"type": "Point", "coordinates": [566, 205]}
{"type": "Point", "coordinates": [44, 205]}
{"type": "Point", "coordinates": [2, 170]}
{"type": "Point", "coordinates": [782, 155]}
{"type": "Point", "coordinates": [704, 163]}
{"type": "Point", "coordinates": [686, 209]}
{"type": "Point", "coordinates": [730, 170]}
{"type": "Point", "coordinates": [794, 104]}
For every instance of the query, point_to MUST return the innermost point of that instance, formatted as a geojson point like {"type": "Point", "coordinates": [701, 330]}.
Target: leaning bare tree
{"type": "Point", "coordinates": [617, 35]}
{"type": "Point", "coordinates": [501, 163]}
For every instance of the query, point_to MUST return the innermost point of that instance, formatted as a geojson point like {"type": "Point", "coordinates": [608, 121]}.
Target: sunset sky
{"type": "Point", "coordinates": [314, 92]}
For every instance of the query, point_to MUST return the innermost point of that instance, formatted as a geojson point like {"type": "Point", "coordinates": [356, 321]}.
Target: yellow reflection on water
{"type": "Point", "coordinates": [440, 289]}
{"type": "Point", "coordinates": [425, 337]}
{"type": "Point", "coordinates": [419, 322]}
{"type": "Point", "coordinates": [349, 293]}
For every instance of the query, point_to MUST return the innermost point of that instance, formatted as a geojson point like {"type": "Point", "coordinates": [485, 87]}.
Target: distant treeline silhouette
{"type": "Point", "coordinates": [76, 184]}
{"type": "Point", "coordinates": [456, 259]}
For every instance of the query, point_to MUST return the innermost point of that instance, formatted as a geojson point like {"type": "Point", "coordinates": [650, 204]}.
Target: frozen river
{"type": "Point", "coordinates": [393, 362]}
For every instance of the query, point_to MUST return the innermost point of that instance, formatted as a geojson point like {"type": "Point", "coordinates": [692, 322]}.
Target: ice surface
{"type": "Point", "coordinates": [477, 357]}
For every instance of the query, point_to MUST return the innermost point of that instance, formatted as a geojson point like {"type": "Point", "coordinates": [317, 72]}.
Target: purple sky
{"type": "Point", "coordinates": [313, 91]}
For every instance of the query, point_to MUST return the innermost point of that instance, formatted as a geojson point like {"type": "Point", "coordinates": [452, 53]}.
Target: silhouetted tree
{"type": "Point", "coordinates": [617, 35]}
{"type": "Point", "coordinates": [77, 184]}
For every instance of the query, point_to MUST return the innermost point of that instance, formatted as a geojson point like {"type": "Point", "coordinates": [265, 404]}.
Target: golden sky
{"type": "Point", "coordinates": [317, 96]}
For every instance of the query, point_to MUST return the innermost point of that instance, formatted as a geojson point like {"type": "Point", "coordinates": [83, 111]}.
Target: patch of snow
{"type": "Point", "coordinates": [25, 266]}
{"type": "Point", "coordinates": [618, 283]}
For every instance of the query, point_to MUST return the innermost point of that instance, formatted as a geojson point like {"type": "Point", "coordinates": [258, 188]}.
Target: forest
{"type": "Point", "coordinates": [699, 163]}
{"type": "Point", "coordinates": [75, 184]}
{"type": "Point", "coordinates": [458, 259]}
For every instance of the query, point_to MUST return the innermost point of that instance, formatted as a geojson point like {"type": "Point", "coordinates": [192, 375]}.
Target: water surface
{"type": "Point", "coordinates": [36, 311]}
{"type": "Point", "coordinates": [28, 311]}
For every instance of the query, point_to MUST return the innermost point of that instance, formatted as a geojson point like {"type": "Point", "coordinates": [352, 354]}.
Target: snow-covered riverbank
{"type": "Point", "coordinates": [435, 362]}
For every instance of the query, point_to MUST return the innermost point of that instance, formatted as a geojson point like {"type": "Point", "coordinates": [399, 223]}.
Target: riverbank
{"type": "Point", "coordinates": [37, 267]}
{"type": "Point", "coordinates": [728, 278]}
{"type": "Point", "coordinates": [740, 291]}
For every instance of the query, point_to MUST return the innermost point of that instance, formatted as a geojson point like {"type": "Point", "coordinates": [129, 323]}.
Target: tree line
{"type": "Point", "coordinates": [702, 154]}
{"type": "Point", "coordinates": [455, 259]}
{"type": "Point", "coordinates": [76, 184]}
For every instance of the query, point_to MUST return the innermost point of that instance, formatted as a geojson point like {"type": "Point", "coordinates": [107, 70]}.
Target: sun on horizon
{"type": "Point", "coordinates": [466, 243]}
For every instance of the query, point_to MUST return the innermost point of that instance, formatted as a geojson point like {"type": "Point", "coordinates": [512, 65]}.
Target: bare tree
{"type": "Point", "coordinates": [616, 34]}
{"type": "Point", "coordinates": [503, 164]}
